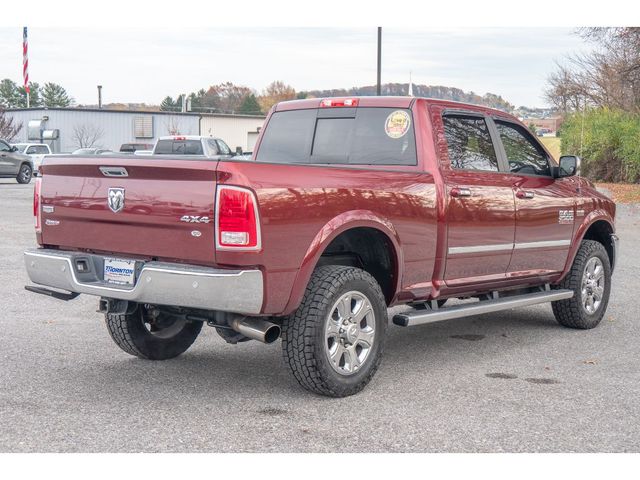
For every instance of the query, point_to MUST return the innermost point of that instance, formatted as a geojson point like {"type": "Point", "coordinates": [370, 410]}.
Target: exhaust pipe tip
{"type": "Point", "coordinates": [256, 329]}
{"type": "Point", "coordinates": [272, 334]}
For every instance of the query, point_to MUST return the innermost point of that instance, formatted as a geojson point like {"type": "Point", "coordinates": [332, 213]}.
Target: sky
{"type": "Point", "coordinates": [144, 65]}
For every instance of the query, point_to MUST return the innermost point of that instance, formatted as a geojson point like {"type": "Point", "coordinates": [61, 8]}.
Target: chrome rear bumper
{"type": "Point", "coordinates": [238, 291]}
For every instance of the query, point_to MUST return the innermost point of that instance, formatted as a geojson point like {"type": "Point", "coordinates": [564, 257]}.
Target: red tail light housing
{"type": "Point", "coordinates": [37, 212]}
{"type": "Point", "coordinates": [237, 221]}
{"type": "Point", "coordinates": [339, 102]}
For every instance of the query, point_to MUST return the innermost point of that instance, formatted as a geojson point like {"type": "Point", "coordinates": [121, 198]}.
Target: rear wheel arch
{"type": "Point", "coordinates": [342, 231]}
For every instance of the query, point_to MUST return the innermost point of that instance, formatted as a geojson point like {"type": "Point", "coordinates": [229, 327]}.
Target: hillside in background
{"type": "Point", "coordinates": [438, 91]}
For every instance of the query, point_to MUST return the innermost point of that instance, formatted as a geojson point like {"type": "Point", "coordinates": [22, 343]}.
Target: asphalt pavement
{"type": "Point", "coordinates": [514, 381]}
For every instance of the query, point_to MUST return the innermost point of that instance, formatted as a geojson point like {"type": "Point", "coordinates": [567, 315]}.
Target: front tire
{"type": "Point", "coordinates": [590, 280]}
{"type": "Point", "coordinates": [24, 174]}
{"type": "Point", "coordinates": [159, 338]}
{"type": "Point", "coordinates": [334, 342]}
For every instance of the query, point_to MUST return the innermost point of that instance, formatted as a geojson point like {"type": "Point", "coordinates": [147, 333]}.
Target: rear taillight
{"type": "Point", "coordinates": [237, 222]}
{"type": "Point", "coordinates": [36, 204]}
{"type": "Point", "coordinates": [339, 102]}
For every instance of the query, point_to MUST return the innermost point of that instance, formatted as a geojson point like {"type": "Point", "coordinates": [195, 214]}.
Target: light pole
{"type": "Point", "coordinates": [379, 86]}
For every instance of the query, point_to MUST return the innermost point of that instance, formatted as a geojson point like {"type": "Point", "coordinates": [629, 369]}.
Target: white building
{"type": "Point", "coordinates": [109, 129]}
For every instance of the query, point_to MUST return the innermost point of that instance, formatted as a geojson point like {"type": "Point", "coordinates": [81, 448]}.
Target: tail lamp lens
{"type": "Point", "coordinates": [237, 219]}
{"type": "Point", "coordinates": [36, 204]}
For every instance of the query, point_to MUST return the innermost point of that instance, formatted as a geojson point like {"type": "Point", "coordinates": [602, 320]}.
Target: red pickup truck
{"type": "Point", "coordinates": [348, 206]}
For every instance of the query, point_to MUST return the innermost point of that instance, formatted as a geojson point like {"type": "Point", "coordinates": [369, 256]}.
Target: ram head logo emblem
{"type": "Point", "coordinates": [116, 199]}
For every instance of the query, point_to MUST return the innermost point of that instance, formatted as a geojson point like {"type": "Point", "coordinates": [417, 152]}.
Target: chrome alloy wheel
{"type": "Point", "coordinates": [593, 284]}
{"type": "Point", "coordinates": [349, 333]}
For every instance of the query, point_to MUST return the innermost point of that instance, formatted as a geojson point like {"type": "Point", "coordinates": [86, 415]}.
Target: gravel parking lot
{"type": "Point", "coordinates": [513, 381]}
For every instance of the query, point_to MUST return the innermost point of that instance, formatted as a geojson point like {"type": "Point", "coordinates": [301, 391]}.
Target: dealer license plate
{"type": "Point", "coordinates": [119, 272]}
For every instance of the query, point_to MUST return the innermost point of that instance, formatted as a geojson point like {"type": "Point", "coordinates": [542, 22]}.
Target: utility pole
{"type": "Point", "coordinates": [379, 85]}
{"type": "Point", "coordinates": [99, 96]}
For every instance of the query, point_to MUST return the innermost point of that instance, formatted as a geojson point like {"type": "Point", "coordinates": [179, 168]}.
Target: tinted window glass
{"type": "Point", "coordinates": [179, 147]}
{"type": "Point", "coordinates": [333, 139]}
{"type": "Point", "coordinates": [523, 153]}
{"type": "Point", "coordinates": [224, 148]}
{"type": "Point", "coordinates": [287, 138]}
{"type": "Point", "coordinates": [361, 136]}
{"type": "Point", "coordinates": [213, 146]}
{"type": "Point", "coordinates": [4, 147]}
{"type": "Point", "coordinates": [469, 143]}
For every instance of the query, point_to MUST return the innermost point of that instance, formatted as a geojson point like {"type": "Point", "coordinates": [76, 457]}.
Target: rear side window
{"type": "Point", "coordinates": [356, 136]}
{"type": "Point", "coordinates": [469, 143]}
{"type": "Point", "coordinates": [179, 147]}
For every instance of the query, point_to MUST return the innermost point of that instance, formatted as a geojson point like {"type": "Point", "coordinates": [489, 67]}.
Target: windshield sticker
{"type": "Point", "coordinates": [397, 124]}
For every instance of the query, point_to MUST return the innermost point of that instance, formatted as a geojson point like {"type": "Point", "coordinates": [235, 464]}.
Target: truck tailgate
{"type": "Point", "coordinates": [167, 211]}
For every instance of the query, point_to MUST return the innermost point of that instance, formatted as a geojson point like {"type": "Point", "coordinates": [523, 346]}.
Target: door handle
{"type": "Point", "coordinates": [525, 194]}
{"type": "Point", "coordinates": [458, 192]}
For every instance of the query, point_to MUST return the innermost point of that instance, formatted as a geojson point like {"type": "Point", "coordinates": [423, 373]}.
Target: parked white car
{"type": "Point", "coordinates": [36, 151]}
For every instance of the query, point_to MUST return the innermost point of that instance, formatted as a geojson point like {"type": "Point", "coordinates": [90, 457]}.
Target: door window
{"type": "Point", "coordinates": [469, 143]}
{"type": "Point", "coordinates": [524, 154]}
{"type": "Point", "coordinates": [4, 147]}
{"type": "Point", "coordinates": [224, 148]}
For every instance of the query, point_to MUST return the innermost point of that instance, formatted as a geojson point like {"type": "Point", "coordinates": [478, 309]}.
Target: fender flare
{"type": "Point", "coordinates": [593, 217]}
{"type": "Point", "coordinates": [332, 229]}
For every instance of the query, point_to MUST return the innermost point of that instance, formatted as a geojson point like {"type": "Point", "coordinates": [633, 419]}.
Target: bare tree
{"type": "Point", "coordinates": [609, 76]}
{"type": "Point", "coordinates": [8, 128]}
{"type": "Point", "coordinates": [173, 125]}
{"type": "Point", "coordinates": [87, 135]}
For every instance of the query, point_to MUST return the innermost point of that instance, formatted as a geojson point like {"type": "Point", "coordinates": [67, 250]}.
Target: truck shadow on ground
{"type": "Point", "coordinates": [214, 370]}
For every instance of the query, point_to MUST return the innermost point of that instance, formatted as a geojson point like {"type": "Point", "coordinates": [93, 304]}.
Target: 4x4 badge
{"type": "Point", "coordinates": [115, 199]}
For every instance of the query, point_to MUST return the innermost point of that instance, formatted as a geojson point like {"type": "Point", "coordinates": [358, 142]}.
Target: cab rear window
{"type": "Point", "coordinates": [179, 147]}
{"type": "Point", "coordinates": [356, 136]}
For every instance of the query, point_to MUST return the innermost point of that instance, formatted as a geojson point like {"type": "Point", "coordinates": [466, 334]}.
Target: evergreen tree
{"type": "Point", "coordinates": [9, 95]}
{"type": "Point", "coordinates": [250, 105]}
{"type": "Point", "coordinates": [168, 105]}
{"type": "Point", "coordinates": [54, 95]}
{"type": "Point", "coordinates": [35, 95]}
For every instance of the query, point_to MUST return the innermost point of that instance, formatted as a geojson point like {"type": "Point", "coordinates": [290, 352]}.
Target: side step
{"type": "Point", "coordinates": [420, 317]}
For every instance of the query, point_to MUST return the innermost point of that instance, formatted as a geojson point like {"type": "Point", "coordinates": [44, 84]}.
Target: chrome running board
{"type": "Point", "coordinates": [420, 317]}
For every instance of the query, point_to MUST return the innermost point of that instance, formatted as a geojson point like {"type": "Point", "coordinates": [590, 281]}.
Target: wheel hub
{"type": "Point", "coordinates": [349, 333]}
{"type": "Point", "coordinates": [593, 285]}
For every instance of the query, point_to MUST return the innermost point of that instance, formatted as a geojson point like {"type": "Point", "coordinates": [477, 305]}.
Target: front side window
{"type": "Point", "coordinates": [4, 147]}
{"type": "Point", "coordinates": [524, 155]}
{"type": "Point", "coordinates": [469, 143]}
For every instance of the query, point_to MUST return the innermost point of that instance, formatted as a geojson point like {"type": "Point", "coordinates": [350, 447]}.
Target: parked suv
{"type": "Point", "coordinates": [14, 164]}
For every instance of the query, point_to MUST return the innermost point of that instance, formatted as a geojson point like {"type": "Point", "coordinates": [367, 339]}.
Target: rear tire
{"type": "Point", "coordinates": [590, 280]}
{"type": "Point", "coordinates": [24, 174]}
{"type": "Point", "coordinates": [334, 342]}
{"type": "Point", "coordinates": [135, 335]}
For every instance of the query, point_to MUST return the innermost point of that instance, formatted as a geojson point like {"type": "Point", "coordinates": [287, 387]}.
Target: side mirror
{"type": "Point", "coordinates": [13, 149]}
{"type": "Point", "coordinates": [238, 150]}
{"type": "Point", "coordinates": [569, 166]}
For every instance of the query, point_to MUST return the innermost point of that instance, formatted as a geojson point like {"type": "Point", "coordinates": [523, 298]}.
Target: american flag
{"type": "Point", "coordinates": [25, 59]}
